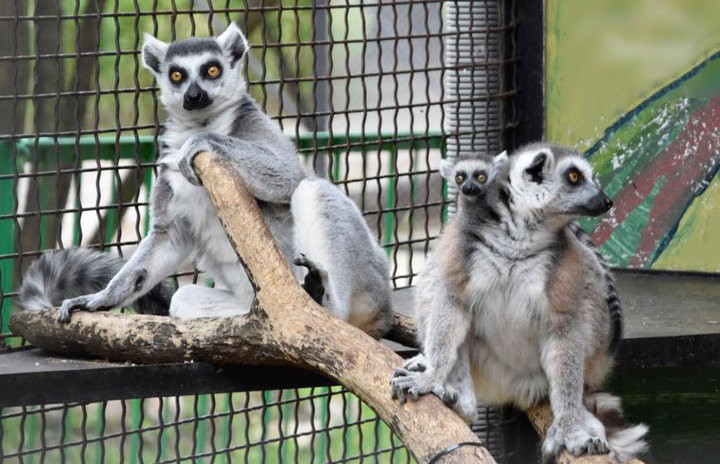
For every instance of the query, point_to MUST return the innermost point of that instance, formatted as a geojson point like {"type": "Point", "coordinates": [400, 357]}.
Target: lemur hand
{"type": "Point", "coordinates": [192, 146]}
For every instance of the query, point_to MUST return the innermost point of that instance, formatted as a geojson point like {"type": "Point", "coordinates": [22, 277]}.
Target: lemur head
{"type": "Point", "coordinates": [198, 75]}
{"type": "Point", "coordinates": [472, 176]}
{"type": "Point", "coordinates": [551, 181]}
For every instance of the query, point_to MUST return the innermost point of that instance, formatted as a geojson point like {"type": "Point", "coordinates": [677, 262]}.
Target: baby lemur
{"type": "Point", "coordinates": [515, 304]}
{"type": "Point", "coordinates": [313, 223]}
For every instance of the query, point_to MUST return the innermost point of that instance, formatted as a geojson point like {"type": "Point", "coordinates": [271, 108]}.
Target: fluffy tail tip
{"type": "Point", "coordinates": [628, 443]}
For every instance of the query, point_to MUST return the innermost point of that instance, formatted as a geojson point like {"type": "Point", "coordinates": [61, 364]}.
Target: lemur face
{"type": "Point", "coordinates": [195, 73]}
{"type": "Point", "coordinates": [472, 176]}
{"type": "Point", "coordinates": [555, 181]}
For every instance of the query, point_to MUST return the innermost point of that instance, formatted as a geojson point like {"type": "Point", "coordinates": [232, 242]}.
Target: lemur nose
{"type": "Point", "coordinates": [194, 95]}
{"type": "Point", "coordinates": [195, 98]}
{"type": "Point", "coordinates": [608, 203]}
{"type": "Point", "coordinates": [470, 189]}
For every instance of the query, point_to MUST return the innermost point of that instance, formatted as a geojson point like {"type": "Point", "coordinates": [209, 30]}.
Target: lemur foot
{"type": "Point", "coordinates": [408, 384]}
{"type": "Point", "coordinates": [80, 303]}
{"type": "Point", "coordinates": [314, 283]}
{"type": "Point", "coordinates": [579, 435]}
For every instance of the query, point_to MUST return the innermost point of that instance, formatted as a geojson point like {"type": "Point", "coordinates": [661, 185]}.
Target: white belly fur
{"type": "Point", "coordinates": [509, 323]}
{"type": "Point", "coordinates": [212, 251]}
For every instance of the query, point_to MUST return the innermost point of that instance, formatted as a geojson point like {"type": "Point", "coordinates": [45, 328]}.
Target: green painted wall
{"type": "Point", "coordinates": [636, 85]}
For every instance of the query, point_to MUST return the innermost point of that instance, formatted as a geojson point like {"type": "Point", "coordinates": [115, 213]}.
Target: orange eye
{"type": "Point", "coordinates": [573, 177]}
{"type": "Point", "coordinates": [176, 76]}
{"type": "Point", "coordinates": [459, 178]}
{"type": "Point", "coordinates": [213, 71]}
{"type": "Point", "coordinates": [481, 177]}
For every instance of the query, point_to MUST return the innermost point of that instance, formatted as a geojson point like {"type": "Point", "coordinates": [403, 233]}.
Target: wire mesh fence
{"type": "Point", "coordinates": [282, 426]}
{"type": "Point", "coordinates": [361, 88]}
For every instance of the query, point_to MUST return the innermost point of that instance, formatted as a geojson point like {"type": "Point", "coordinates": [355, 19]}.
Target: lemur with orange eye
{"type": "Point", "coordinates": [515, 305]}
{"type": "Point", "coordinates": [314, 224]}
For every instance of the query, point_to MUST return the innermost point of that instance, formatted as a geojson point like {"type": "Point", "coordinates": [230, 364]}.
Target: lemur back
{"type": "Point", "coordinates": [515, 304]}
{"type": "Point", "coordinates": [208, 108]}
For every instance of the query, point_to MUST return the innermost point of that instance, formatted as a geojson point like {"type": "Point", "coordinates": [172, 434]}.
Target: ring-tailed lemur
{"type": "Point", "coordinates": [515, 306]}
{"type": "Point", "coordinates": [209, 109]}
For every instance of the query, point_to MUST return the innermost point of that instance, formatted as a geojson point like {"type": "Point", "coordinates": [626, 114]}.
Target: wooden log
{"type": "Point", "coordinates": [403, 331]}
{"type": "Point", "coordinates": [285, 326]}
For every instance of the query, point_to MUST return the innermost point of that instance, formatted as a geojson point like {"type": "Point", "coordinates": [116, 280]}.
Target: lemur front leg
{"type": "Point", "coordinates": [271, 174]}
{"type": "Point", "coordinates": [574, 428]}
{"type": "Point", "coordinates": [445, 334]}
{"type": "Point", "coordinates": [156, 258]}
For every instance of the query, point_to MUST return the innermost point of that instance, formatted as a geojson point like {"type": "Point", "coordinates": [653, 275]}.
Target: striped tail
{"type": "Point", "coordinates": [61, 274]}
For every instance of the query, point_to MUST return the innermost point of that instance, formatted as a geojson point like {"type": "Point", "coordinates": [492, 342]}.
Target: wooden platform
{"type": "Point", "coordinates": [670, 320]}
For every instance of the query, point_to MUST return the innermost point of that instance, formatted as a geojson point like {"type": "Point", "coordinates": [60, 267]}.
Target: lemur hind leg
{"type": "Point", "coordinates": [192, 301]}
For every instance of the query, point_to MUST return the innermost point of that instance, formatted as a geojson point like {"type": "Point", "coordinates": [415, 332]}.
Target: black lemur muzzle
{"type": "Point", "coordinates": [195, 98]}
{"type": "Point", "coordinates": [597, 205]}
{"type": "Point", "coordinates": [470, 189]}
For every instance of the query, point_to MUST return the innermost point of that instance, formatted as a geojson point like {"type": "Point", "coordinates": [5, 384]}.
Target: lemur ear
{"type": "Point", "coordinates": [153, 53]}
{"type": "Point", "coordinates": [446, 168]}
{"type": "Point", "coordinates": [234, 42]}
{"type": "Point", "coordinates": [535, 170]}
{"type": "Point", "coordinates": [501, 158]}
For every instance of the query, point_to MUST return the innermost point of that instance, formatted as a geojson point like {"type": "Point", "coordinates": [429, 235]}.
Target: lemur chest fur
{"type": "Point", "coordinates": [191, 205]}
{"type": "Point", "coordinates": [508, 296]}
{"type": "Point", "coordinates": [508, 325]}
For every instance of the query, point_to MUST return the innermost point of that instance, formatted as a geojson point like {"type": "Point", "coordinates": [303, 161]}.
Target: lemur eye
{"type": "Point", "coordinates": [176, 76]}
{"type": "Point", "coordinates": [459, 178]}
{"type": "Point", "coordinates": [573, 176]}
{"type": "Point", "coordinates": [481, 176]}
{"type": "Point", "coordinates": [213, 71]}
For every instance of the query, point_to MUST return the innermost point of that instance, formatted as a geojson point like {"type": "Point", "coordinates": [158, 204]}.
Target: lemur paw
{"type": "Point", "coordinates": [81, 303]}
{"type": "Point", "coordinates": [314, 283]}
{"type": "Point", "coordinates": [577, 435]}
{"type": "Point", "coordinates": [416, 363]}
{"type": "Point", "coordinates": [407, 384]}
{"type": "Point", "coordinates": [190, 148]}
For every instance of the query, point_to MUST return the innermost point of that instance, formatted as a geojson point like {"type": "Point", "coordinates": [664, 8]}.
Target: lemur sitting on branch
{"type": "Point", "coordinates": [313, 223]}
{"type": "Point", "coordinates": [515, 304]}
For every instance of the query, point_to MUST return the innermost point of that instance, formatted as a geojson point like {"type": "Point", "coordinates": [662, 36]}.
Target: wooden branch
{"type": "Point", "coordinates": [284, 326]}
{"type": "Point", "coordinates": [403, 331]}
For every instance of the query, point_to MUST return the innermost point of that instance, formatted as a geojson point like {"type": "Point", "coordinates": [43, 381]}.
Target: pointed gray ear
{"type": "Point", "coordinates": [500, 159]}
{"type": "Point", "coordinates": [447, 167]}
{"type": "Point", "coordinates": [153, 53]}
{"type": "Point", "coordinates": [233, 41]}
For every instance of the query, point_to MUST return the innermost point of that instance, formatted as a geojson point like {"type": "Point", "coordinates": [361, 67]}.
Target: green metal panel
{"type": "Point", "coordinates": [7, 228]}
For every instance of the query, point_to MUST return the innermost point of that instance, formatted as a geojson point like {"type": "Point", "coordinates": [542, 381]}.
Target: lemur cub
{"type": "Point", "coordinates": [515, 305]}
{"type": "Point", "coordinates": [313, 223]}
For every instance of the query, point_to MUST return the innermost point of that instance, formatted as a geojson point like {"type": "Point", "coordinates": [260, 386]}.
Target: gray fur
{"type": "Point", "coordinates": [61, 274]}
{"type": "Point", "coordinates": [515, 292]}
{"type": "Point", "coordinates": [332, 236]}
{"type": "Point", "coordinates": [185, 225]}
